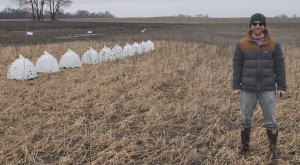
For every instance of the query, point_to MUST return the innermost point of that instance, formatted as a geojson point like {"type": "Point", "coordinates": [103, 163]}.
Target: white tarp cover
{"type": "Point", "coordinates": [137, 48]}
{"type": "Point", "coordinates": [105, 54]}
{"type": "Point", "coordinates": [128, 50]}
{"type": "Point", "coordinates": [117, 52]}
{"type": "Point", "coordinates": [21, 69]}
{"type": "Point", "coordinates": [70, 60]}
{"type": "Point", "coordinates": [144, 47]}
{"type": "Point", "coordinates": [150, 45]}
{"type": "Point", "coordinates": [90, 57]}
{"type": "Point", "coordinates": [46, 64]}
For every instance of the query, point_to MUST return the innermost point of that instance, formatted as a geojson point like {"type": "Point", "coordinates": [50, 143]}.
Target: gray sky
{"type": "Point", "coordinates": [157, 8]}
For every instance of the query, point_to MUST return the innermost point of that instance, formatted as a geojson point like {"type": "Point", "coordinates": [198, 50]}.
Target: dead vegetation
{"type": "Point", "coordinates": [171, 106]}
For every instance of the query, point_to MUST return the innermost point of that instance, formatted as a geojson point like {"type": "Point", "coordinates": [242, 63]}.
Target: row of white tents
{"type": "Point", "coordinates": [23, 69]}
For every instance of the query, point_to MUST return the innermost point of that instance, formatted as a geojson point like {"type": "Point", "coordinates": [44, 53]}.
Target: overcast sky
{"type": "Point", "coordinates": [157, 8]}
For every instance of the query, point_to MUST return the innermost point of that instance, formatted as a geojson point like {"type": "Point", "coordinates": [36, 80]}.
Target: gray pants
{"type": "Point", "coordinates": [267, 102]}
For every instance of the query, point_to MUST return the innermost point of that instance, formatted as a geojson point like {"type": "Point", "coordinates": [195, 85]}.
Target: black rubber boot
{"type": "Point", "coordinates": [245, 137]}
{"type": "Point", "coordinates": [272, 136]}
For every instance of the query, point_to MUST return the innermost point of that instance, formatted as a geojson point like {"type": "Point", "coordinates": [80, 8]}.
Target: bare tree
{"type": "Point", "coordinates": [41, 6]}
{"type": "Point", "coordinates": [56, 5]}
{"type": "Point", "coordinates": [37, 7]}
{"type": "Point", "coordinates": [22, 3]}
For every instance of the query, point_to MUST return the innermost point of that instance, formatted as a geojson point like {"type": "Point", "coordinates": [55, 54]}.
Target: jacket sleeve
{"type": "Point", "coordinates": [237, 64]}
{"type": "Point", "coordinates": [279, 67]}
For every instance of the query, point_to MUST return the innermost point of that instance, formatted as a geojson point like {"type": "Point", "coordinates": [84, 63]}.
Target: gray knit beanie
{"type": "Point", "coordinates": [258, 17]}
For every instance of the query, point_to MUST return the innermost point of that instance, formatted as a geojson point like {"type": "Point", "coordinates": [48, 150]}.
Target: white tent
{"type": "Point", "coordinates": [144, 47]}
{"type": "Point", "coordinates": [137, 48]}
{"type": "Point", "coordinates": [105, 54]}
{"type": "Point", "coordinates": [128, 50]}
{"type": "Point", "coordinates": [150, 45]}
{"type": "Point", "coordinates": [46, 64]}
{"type": "Point", "coordinates": [90, 57]}
{"type": "Point", "coordinates": [70, 60]}
{"type": "Point", "coordinates": [21, 69]}
{"type": "Point", "coordinates": [117, 52]}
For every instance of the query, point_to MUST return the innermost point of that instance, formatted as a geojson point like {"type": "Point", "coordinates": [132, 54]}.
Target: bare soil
{"type": "Point", "coordinates": [204, 30]}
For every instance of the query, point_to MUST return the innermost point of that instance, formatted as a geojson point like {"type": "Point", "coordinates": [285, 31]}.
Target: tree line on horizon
{"type": "Point", "coordinates": [23, 13]}
{"type": "Point", "coordinates": [198, 15]}
{"type": "Point", "coordinates": [206, 16]}
{"type": "Point", "coordinates": [47, 9]}
{"type": "Point", "coordinates": [285, 16]}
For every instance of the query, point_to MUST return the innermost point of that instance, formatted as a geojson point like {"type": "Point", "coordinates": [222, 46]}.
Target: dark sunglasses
{"type": "Point", "coordinates": [255, 24]}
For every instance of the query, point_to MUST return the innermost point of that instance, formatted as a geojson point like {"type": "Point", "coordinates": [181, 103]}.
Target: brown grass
{"type": "Point", "coordinates": [170, 106]}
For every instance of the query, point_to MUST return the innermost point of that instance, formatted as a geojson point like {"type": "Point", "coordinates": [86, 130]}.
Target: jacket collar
{"type": "Point", "coordinates": [267, 37]}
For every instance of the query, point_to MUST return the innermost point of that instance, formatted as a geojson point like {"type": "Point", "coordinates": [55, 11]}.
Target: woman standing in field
{"type": "Point", "coordinates": [258, 65]}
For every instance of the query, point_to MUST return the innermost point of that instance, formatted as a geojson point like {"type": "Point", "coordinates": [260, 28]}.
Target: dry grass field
{"type": "Point", "coordinates": [170, 106]}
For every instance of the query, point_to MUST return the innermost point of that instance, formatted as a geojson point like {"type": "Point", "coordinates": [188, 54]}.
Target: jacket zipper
{"type": "Point", "coordinates": [258, 69]}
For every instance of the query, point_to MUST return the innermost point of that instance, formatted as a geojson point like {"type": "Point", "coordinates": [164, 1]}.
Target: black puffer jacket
{"type": "Point", "coordinates": [257, 68]}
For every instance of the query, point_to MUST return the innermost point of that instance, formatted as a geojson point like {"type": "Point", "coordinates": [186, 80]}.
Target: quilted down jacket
{"type": "Point", "coordinates": [258, 68]}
